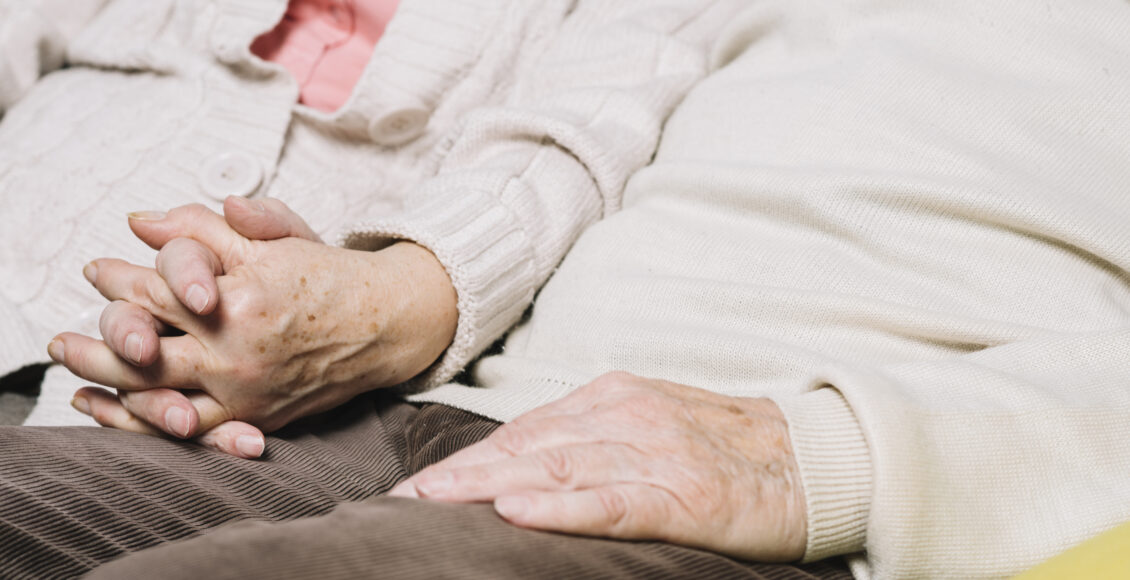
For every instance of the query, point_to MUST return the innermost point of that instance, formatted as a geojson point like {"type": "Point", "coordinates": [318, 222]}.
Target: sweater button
{"type": "Point", "coordinates": [231, 173]}
{"type": "Point", "coordinates": [398, 127]}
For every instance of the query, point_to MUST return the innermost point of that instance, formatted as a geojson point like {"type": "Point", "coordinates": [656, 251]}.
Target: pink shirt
{"type": "Point", "coordinates": [326, 44]}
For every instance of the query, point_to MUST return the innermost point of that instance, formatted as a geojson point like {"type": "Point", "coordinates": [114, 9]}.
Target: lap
{"type": "Point", "coordinates": [409, 539]}
{"type": "Point", "coordinates": [73, 499]}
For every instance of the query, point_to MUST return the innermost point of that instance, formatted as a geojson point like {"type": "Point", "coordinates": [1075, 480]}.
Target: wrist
{"type": "Point", "coordinates": [420, 310]}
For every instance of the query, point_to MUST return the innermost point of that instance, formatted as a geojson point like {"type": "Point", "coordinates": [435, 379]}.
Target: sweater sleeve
{"type": "Point", "coordinates": [33, 40]}
{"type": "Point", "coordinates": [522, 180]}
{"type": "Point", "coordinates": [983, 465]}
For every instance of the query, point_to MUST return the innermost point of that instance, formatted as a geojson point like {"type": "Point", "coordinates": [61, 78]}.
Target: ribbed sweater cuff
{"type": "Point", "coordinates": [487, 255]}
{"type": "Point", "coordinates": [835, 467]}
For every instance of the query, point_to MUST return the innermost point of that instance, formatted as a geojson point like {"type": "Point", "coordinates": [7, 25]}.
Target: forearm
{"type": "Point", "coordinates": [425, 311]}
{"type": "Point", "coordinates": [523, 180]}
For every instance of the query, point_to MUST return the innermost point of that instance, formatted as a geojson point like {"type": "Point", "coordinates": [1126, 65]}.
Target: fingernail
{"type": "Point", "coordinates": [249, 445]}
{"type": "Point", "coordinates": [512, 507]}
{"type": "Point", "coordinates": [81, 405]}
{"type": "Point", "coordinates": [250, 204]}
{"type": "Point", "coordinates": [133, 347]}
{"type": "Point", "coordinates": [197, 298]}
{"type": "Point", "coordinates": [176, 419]}
{"type": "Point", "coordinates": [435, 485]}
{"type": "Point", "coordinates": [55, 350]}
{"type": "Point", "coordinates": [148, 216]}
{"type": "Point", "coordinates": [90, 272]}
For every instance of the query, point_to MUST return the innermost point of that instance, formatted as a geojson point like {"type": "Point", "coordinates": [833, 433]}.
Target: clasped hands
{"type": "Point", "coordinates": [260, 331]}
{"type": "Point", "coordinates": [248, 322]}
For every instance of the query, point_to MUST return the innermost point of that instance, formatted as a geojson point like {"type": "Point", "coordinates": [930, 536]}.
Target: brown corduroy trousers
{"type": "Point", "coordinates": [77, 500]}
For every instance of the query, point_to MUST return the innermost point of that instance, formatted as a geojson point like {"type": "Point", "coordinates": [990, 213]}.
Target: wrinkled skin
{"type": "Point", "coordinates": [622, 457]}
{"type": "Point", "coordinates": [634, 458]}
{"type": "Point", "coordinates": [301, 327]}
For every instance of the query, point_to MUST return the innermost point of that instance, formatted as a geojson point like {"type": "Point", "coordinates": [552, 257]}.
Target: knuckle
{"type": "Point", "coordinates": [190, 211]}
{"type": "Point", "coordinates": [141, 403]}
{"type": "Point", "coordinates": [143, 378]}
{"type": "Point", "coordinates": [78, 358]}
{"type": "Point", "coordinates": [243, 303]}
{"type": "Point", "coordinates": [622, 376]}
{"type": "Point", "coordinates": [615, 507]}
{"type": "Point", "coordinates": [138, 407]}
{"type": "Point", "coordinates": [156, 292]}
{"type": "Point", "coordinates": [614, 379]}
{"type": "Point", "coordinates": [559, 465]}
{"type": "Point", "coordinates": [103, 415]}
{"type": "Point", "coordinates": [620, 385]}
{"type": "Point", "coordinates": [112, 319]}
{"type": "Point", "coordinates": [646, 404]}
{"type": "Point", "coordinates": [510, 439]}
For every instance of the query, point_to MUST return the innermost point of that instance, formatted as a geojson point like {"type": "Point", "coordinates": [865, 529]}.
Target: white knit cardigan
{"type": "Point", "coordinates": [902, 221]}
{"type": "Point", "coordinates": [155, 93]}
{"type": "Point", "coordinates": [906, 222]}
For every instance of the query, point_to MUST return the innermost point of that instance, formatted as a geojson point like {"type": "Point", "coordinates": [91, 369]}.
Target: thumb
{"type": "Point", "coordinates": [266, 219]}
{"type": "Point", "coordinates": [190, 221]}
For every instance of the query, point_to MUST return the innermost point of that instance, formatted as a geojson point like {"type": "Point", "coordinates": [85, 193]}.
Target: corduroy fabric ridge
{"type": "Point", "coordinates": [72, 499]}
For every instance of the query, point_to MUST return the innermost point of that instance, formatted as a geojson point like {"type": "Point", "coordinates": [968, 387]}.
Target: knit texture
{"type": "Point", "coordinates": [156, 89]}
{"type": "Point", "coordinates": [72, 500]}
{"type": "Point", "coordinates": [906, 223]}
{"type": "Point", "coordinates": [525, 178]}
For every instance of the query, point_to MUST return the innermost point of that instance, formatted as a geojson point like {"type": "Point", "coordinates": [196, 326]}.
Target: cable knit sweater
{"type": "Point", "coordinates": [162, 98]}
{"type": "Point", "coordinates": [906, 222]}
{"type": "Point", "coordinates": [903, 221]}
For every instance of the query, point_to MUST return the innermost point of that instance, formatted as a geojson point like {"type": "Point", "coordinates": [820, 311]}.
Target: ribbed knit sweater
{"type": "Point", "coordinates": [906, 222]}
{"type": "Point", "coordinates": [156, 91]}
{"type": "Point", "coordinates": [903, 221]}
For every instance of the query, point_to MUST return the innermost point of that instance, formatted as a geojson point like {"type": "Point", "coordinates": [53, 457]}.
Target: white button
{"type": "Point", "coordinates": [233, 173]}
{"type": "Point", "coordinates": [398, 127]}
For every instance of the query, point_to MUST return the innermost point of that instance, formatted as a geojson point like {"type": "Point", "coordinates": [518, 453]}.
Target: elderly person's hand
{"type": "Point", "coordinates": [190, 269]}
{"type": "Point", "coordinates": [633, 458]}
{"type": "Point", "coordinates": [297, 327]}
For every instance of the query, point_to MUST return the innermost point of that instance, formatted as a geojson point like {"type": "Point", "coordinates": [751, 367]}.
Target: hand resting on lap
{"type": "Point", "coordinates": [280, 328]}
{"type": "Point", "coordinates": [297, 327]}
{"type": "Point", "coordinates": [634, 458]}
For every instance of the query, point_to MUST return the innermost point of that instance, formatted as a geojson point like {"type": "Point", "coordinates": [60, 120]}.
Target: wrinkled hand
{"type": "Point", "coordinates": [298, 328]}
{"type": "Point", "coordinates": [190, 269]}
{"type": "Point", "coordinates": [633, 458]}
